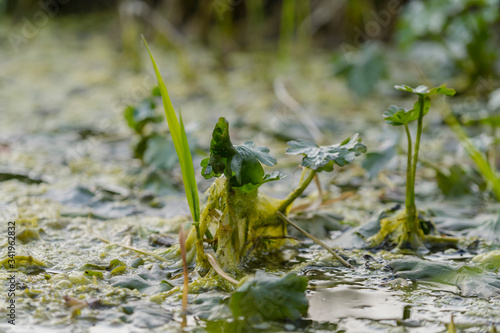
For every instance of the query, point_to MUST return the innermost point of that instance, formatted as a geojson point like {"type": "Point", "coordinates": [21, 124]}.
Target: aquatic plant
{"type": "Point", "coordinates": [405, 227]}
{"type": "Point", "coordinates": [237, 219]}
{"type": "Point", "coordinates": [240, 218]}
{"type": "Point", "coordinates": [181, 144]}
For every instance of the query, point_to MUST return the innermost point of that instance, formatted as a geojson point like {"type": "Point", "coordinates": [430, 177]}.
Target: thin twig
{"type": "Point", "coordinates": [218, 269]}
{"type": "Point", "coordinates": [315, 240]}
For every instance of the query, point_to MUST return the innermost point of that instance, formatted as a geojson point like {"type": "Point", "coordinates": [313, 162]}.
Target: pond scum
{"type": "Point", "coordinates": [238, 223]}
{"type": "Point", "coordinates": [228, 264]}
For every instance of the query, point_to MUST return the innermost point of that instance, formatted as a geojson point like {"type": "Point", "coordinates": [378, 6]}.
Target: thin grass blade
{"type": "Point", "coordinates": [181, 145]}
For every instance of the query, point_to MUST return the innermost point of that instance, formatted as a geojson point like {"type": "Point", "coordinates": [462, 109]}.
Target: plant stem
{"type": "Point", "coordinates": [411, 207]}
{"type": "Point", "coordinates": [410, 194]}
{"type": "Point", "coordinates": [297, 192]}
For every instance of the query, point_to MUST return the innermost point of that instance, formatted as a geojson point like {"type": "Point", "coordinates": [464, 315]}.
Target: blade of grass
{"type": "Point", "coordinates": [181, 145]}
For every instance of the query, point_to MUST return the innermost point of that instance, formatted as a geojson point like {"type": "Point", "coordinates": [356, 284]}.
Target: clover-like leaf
{"type": "Point", "coordinates": [322, 158]}
{"type": "Point", "coordinates": [398, 116]}
{"type": "Point", "coordinates": [425, 91]}
{"type": "Point", "coordinates": [270, 297]}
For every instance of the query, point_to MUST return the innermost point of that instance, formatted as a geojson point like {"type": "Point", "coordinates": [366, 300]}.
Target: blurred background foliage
{"type": "Point", "coordinates": [445, 39]}
{"type": "Point", "coordinates": [371, 45]}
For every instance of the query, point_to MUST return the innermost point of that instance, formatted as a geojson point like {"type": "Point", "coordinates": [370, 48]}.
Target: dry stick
{"type": "Point", "coordinates": [182, 244]}
{"type": "Point", "coordinates": [218, 269]}
{"type": "Point", "coordinates": [315, 240]}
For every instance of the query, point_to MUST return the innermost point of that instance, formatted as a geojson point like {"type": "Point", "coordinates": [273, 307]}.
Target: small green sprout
{"type": "Point", "coordinates": [181, 145]}
{"type": "Point", "coordinates": [405, 228]}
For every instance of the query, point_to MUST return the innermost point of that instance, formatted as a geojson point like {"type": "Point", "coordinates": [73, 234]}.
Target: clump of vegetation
{"type": "Point", "coordinates": [240, 218]}
{"type": "Point", "coordinates": [237, 219]}
{"type": "Point", "coordinates": [405, 227]}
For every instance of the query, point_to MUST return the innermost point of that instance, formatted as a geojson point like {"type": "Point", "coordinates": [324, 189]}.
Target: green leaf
{"type": "Point", "coordinates": [245, 163]}
{"type": "Point", "coordinates": [221, 150]}
{"type": "Point", "coordinates": [138, 117]}
{"type": "Point", "coordinates": [322, 158]}
{"type": "Point", "coordinates": [398, 116]}
{"type": "Point", "coordinates": [180, 143]}
{"type": "Point", "coordinates": [472, 279]}
{"type": "Point", "coordinates": [271, 298]}
{"type": "Point", "coordinates": [425, 91]}
{"type": "Point", "coordinates": [114, 264]}
{"type": "Point", "coordinates": [240, 163]}
{"type": "Point", "coordinates": [247, 188]}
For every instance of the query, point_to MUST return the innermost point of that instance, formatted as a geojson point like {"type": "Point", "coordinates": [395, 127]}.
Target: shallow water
{"type": "Point", "coordinates": [75, 179]}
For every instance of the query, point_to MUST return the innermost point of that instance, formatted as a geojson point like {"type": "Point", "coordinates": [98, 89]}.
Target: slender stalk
{"type": "Point", "coordinates": [315, 240]}
{"type": "Point", "coordinates": [412, 209]}
{"type": "Point", "coordinates": [297, 192]}
{"type": "Point", "coordinates": [410, 194]}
